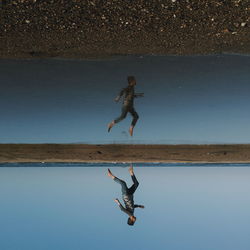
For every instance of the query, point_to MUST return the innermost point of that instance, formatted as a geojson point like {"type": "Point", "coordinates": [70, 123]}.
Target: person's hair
{"type": "Point", "coordinates": [130, 222]}
{"type": "Point", "coordinates": [131, 79]}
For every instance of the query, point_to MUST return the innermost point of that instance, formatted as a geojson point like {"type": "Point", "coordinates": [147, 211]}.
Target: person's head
{"type": "Point", "coordinates": [131, 220]}
{"type": "Point", "coordinates": [131, 81]}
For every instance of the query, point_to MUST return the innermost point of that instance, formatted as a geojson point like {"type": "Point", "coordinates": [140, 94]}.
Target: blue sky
{"type": "Point", "coordinates": [191, 99]}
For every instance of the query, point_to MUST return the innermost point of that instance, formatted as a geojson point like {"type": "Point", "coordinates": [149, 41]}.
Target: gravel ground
{"type": "Point", "coordinates": [97, 28]}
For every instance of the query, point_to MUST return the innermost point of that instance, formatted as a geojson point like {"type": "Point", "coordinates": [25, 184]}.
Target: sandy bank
{"type": "Point", "coordinates": [123, 153]}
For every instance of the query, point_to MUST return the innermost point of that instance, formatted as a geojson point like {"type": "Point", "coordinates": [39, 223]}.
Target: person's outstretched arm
{"type": "Point", "coordinates": [123, 208]}
{"type": "Point", "coordinates": [117, 99]}
{"type": "Point", "coordinates": [140, 206]}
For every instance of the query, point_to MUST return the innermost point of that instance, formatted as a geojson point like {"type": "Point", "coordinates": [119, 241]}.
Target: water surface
{"type": "Point", "coordinates": [186, 207]}
{"type": "Point", "coordinates": [188, 99]}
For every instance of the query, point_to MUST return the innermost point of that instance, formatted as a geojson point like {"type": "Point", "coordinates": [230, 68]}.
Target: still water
{"type": "Point", "coordinates": [72, 206]}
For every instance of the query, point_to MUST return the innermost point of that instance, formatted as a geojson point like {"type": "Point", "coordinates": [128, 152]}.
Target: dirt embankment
{"type": "Point", "coordinates": [123, 153]}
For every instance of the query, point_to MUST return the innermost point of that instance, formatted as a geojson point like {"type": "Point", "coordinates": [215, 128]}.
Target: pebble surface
{"type": "Point", "coordinates": [97, 28]}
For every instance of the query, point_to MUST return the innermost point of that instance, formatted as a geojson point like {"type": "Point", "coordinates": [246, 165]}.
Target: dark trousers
{"type": "Point", "coordinates": [125, 110]}
{"type": "Point", "coordinates": [125, 189]}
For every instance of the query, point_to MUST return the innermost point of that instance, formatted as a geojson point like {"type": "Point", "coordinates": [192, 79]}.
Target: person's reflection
{"type": "Point", "coordinates": [127, 195]}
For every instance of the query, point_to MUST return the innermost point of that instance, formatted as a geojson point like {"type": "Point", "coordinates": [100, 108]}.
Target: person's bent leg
{"type": "Point", "coordinates": [123, 185]}
{"type": "Point", "coordinates": [118, 119]}
{"type": "Point", "coordinates": [123, 115]}
{"type": "Point", "coordinates": [134, 121]}
{"type": "Point", "coordinates": [135, 181]}
{"type": "Point", "coordinates": [135, 185]}
{"type": "Point", "coordinates": [135, 117]}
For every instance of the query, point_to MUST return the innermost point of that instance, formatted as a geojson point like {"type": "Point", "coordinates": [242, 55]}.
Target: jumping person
{"type": "Point", "coordinates": [127, 195]}
{"type": "Point", "coordinates": [128, 104]}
